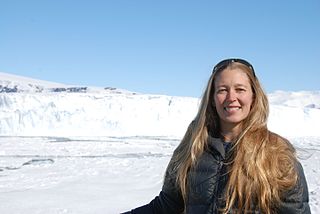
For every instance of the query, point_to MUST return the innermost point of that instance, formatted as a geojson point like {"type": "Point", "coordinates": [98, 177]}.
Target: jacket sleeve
{"type": "Point", "coordinates": [162, 204]}
{"type": "Point", "coordinates": [296, 200]}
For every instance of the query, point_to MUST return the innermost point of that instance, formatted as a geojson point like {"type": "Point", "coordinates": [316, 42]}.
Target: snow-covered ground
{"type": "Point", "coordinates": [101, 175]}
{"type": "Point", "coordinates": [71, 149]}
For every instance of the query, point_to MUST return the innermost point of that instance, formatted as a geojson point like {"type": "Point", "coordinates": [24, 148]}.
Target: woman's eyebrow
{"type": "Point", "coordinates": [241, 85]}
{"type": "Point", "coordinates": [236, 85]}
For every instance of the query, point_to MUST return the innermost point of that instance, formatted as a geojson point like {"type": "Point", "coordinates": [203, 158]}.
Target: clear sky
{"type": "Point", "coordinates": [160, 47]}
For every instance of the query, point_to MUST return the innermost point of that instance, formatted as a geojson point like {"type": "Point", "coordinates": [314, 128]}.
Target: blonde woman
{"type": "Point", "coordinates": [228, 161]}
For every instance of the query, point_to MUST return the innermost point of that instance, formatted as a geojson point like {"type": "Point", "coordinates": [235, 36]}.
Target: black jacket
{"type": "Point", "coordinates": [207, 182]}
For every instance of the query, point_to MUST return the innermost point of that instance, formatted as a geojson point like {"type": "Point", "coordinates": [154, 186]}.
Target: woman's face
{"type": "Point", "coordinates": [233, 96]}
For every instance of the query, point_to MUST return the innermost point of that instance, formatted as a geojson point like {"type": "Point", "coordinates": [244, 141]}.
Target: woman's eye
{"type": "Point", "coordinates": [240, 89]}
{"type": "Point", "coordinates": [221, 90]}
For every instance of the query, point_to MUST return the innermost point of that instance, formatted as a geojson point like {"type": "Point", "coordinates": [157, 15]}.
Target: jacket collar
{"type": "Point", "coordinates": [217, 144]}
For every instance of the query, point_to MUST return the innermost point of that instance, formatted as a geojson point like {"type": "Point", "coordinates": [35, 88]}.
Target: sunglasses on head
{"type": "Point", "coordinates": [225, 63]}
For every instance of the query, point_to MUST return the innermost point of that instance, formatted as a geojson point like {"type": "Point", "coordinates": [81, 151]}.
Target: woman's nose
{"type": "Point", "coordinates": [231, 96]}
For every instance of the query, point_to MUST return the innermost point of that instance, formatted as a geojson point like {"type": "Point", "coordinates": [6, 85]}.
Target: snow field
{"type": "Point", "coordinates": [102, 174]}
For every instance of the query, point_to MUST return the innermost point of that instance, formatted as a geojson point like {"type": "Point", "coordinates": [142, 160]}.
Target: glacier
{"type": "Point", "coordinates": [94, 114]}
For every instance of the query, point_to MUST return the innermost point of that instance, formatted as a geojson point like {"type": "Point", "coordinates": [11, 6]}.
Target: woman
{"type": "Point", "coordinates": [228, 161]}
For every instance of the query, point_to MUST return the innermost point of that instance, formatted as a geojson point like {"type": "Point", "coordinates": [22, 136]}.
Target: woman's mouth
{"type": "Point", "coordinates": [232, 108]}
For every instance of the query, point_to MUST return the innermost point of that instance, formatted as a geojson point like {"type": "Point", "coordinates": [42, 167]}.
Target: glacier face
{"type": "Point", "coordinates": [94, 114]}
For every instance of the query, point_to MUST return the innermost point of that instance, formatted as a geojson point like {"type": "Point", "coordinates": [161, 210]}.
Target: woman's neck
{"type": "Point", "coordinates": [229, 134]}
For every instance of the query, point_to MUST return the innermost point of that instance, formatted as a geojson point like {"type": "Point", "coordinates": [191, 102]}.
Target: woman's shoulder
{"type": "Point", "coordinates": [275, 136]}
{"type": "Point", "coordinates": [280, 141]}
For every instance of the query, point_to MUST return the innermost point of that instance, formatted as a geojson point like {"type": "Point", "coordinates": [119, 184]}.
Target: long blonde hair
{"type": "Point", "coordinates": [263, 164]}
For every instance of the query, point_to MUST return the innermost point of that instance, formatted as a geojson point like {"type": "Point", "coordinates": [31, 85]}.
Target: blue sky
{"type": "Point", "coordinates": [160, 47]}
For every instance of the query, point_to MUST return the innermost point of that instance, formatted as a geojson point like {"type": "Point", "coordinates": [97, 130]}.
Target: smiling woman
{"type": "Point", "coordinates": [228, 160]}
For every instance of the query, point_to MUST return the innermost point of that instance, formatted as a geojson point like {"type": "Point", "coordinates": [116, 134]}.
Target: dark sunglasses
{"type": "Point", "coordinates": [225, 63]}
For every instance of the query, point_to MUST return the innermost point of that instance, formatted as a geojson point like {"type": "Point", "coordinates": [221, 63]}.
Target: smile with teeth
{"type": "Point", "coordinates": [232, 108]}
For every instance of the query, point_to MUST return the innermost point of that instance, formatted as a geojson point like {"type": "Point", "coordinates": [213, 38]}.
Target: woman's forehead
{"type": "Point", "coordinates": [236, 76]}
